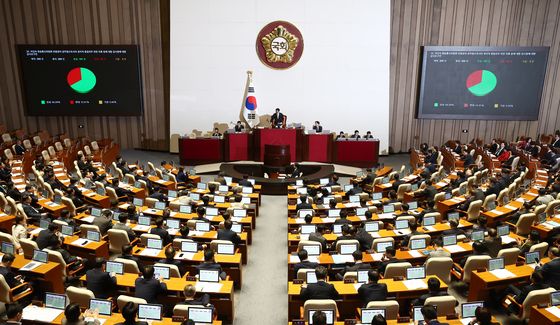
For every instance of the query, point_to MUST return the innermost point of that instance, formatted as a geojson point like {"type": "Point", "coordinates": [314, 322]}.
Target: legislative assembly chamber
{"type": "Point", "coordinates": [251, 162]}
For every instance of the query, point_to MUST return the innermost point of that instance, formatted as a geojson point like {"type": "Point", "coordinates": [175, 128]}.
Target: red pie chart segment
{"type": "Point", "coordinates": [474, 78]}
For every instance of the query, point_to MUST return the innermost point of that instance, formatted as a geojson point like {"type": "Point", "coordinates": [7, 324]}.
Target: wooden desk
{"type": "Point", "coordinates": [51, 207]}
{"type": "Point", "coordinates": [92, 197]}
{"type": "Point", "coordinates": [91, 250]}
{"type": "Point", "coordinates": [50, 273]}
{"type": "Point", "coordinates": [349, 296]}
{"type": "Point", "coordinates": [540, 316]}
{"type": "Point", "coordinates": [169, 185]}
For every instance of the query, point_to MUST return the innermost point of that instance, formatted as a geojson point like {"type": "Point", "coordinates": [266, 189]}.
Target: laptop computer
{"type": "Point", "coordinates": [369, 313]}
{"type": "Point", "coordinates": [189, 247]}
{"type": "Point", "coordinates": [102, 306]}
{"type": "Point", "coordinates": [115, 267]}
{"type": "Point", "coordinates": [162, 271]}
{"type": "Point", "coordinates": [401, 224]}
{"type": "Point", "coordinates": [154, 243]}
{"type": "Point", "coordinates": [239, 213]}
{"type": "Point", "coordinates": [226, 249]}
{"type": "Point", "coordinates": [348, 249]}
{"type": "Point", "coordinates": [477, 235]}
{"type": "Point", "coordinates": [173, 223]}
{"type": "Point", "coordinates": [211, 211]}
{"type": "Point", "coordinates": [453, 216]}
{"type": "Point", "coordinates": [202, 226]}
{"type": "Point", "coordinates": [371, 226]}
{"type": "Point", "coordinates": [413, 273]}
{"type": "Point", "coordinates": [185, 209]}
{"type": "Point", "coordinates": [555, 298]}
{"type": "Point", "coordinates": [329, 313]}
{"type": "Point", "coordinates": [334, 213]}
{"type": "Point", "coordinates": [389, 208]}
{"type": "Point", "coordinates": [150, 311]}
{"type": "Point", "coordinates": [468, 309]}
{"type": "Point", "coordinates": [93, 235]}
{"type": "Point", "coordinates": [376, 196]}
{"type": "Point", "coordinates": [429, 221]}
{"type": "Point", "coordinates": [417, 244]}
{"type": "Point", "coordinates": [363, 276]}
{"type": "Point", "coordinates": [54, 300]}
{"type": "Point", "coordinates": [532, 257]}
{"type": "Point", "coordinates": [496, 263]}
{"type": "Point", "coordinates": [312, 250]}
{"type": "Point", "coordinates": [8, 248]}
{"type": "Point", "coordinates": [308, 229]}
{"type": "Point", "coordinates": [138, 202]}
{"type": "Point", "coordinates": [172, 194]}
{"type": "Point", "coordinates": [449, 240]}
{"type": "Point", "coordinates": [159, 205]}
{"type": "Point", "coordinates": [237, 228]}
{"type": "Point", "coordinates": [201, 315]}
{"type": "Point", "coordinates": [503, 230]}
{"type": "Point", "coordinates": [39, 257]}
{"type": "Point", "coordinates": [310, 277]}
{"type": "Point", "coordinates": [382, 246]}
{"type": "Point", "coordinates": [209, 275]}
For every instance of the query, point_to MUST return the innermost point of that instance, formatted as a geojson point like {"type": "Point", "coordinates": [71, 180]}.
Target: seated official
{"type": "Point", "coordinates": [428, 192]}
{"type": "Point", "coordinates": [372, 291]}
{"type": "Point", "coordinates": [438, 250]}
{"type": "Point", "coordinates": [127, 254]}
{"type": "Point", "coordinates": [228, 234]}
{"type": "Point", "coordinates": [520, 293]}
{"type": "Point", "coordinates": [340, 136]}
{"type": "Point", "coordinates": [66, 256]}
{"type": "Point", "coordinates": [387, 258]}
{"type": "Point", "coordinates": [129, 312]}
{"type": "Point", "coordinates": [238, 127]}
{"type": "Point", "coordinates": [319, 318]}
{"type": "Point", "coordinates": [356, 135]}
{"type": "Point", "coordinates": [368, 135]}
{"type": "Point", "coordinates": [319, 290]}
{"type": "Point", "coordinates": [356, 189]}
{"type": "Point", "coordinates": [119, 190]}
{"type": "Point", "coordinates": [397, 182]}
{"type": "Point", "coordinates": [493, 242]}
{"type": "Point", "coordinates": [158, 195]}
{"type": "Point", "coordinates": [201, 214]}
{"type": "Point", "coordinates": [357, 266]}
{"type": "Point", "coordinates": [304, 204]}
{"type": "Point", "coordinates": [147, 287]}
{"type": "Point", "coordinates": [318, 236]}
{"type": "Point", "coordinates": [170, 259]}
{"type": "Point", "coordinates": [317, 127]}
{"type": "Point", "coordinates": [68, 217]}
{"type": "Point", "coordinates": [430, 315]}
{"type": "Point", "coordinates": [19, 229]}
{"type": "Point", "coordinates": [482, 316]}
{"type": "Point", "coordinates": [190, 293]}
{"type": "Point", "coordinates": [479, 249]}
{"type": "Point", "coordinates": [210, 264]}
{"type": "Point", "coordinates": [342, 220]}
{"type": "Point", "coordinates": [33, 215]}
{"type": "Point", "coordinates": [158, 230]}
{"type": "Point", "coordinates": [48, 237]}
{"type": "Point", "coordinates": [525, 245]}
{"type": "Point", "coordinates": [245, 182]}
{"type": "Point", "coordinates": [182, 177]}
{"type": "Point", "coordinates": [304, 262]}
{"type": "Point", "coordinates": [551, 270]}
{"type": "Point", "coordinates": [121, 225]}
{"type": "Point", "coordinates": [101, 283]}
{"type": "Point", "coordinates": [277, 119]}
{"type": "Point", "coordinates": [104, 222]}
{"type": "Point", "coordinates": [333, 181]}
{"type": "Point", "coordinates": [14, 313]}
{"type": "Point", "coordinates": [216, 133]}
{"type": "Point", "coordinates": [347, 234]}
{"type": "Point", "coordinates": [73, 316]}
{"type": "Point", "coordinates": [413, 232]}
{"type": "Point", "coordinates": [454, 230]}
{"type": "Point", "coordinates": [363, 237]}
{"type": "Point", "coordinates": [12, 279]}
{"type": "Point", "coordinates": [434, 286]}
{"type": "Point", "coordinates": [131, 213]}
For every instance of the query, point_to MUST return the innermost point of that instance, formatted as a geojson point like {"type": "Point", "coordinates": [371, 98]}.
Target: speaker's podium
{"type": "Point", "coordinates": [288, 137]}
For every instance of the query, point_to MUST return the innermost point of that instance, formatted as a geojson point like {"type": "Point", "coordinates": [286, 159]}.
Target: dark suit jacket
{"type": "Point", "coordinates": [318, 128]}
{"type": "Point", "coordinates": [372, 292]}
{"type": "Point", "coordinates": [383, 265]}
{"type": "Point", "coordinates": [103, 223]}
{"type": "Point", "coordinates": [9, 276]}
{"type": "Point", "coordinates": [277, 119]}
{"type": "Point", "coordinates": [494, 245]}
{"type": "Point", "coordinates": [201, 301]}
{"type": "Point", "coordinates": [149, 289]}
{"type": "Point", "coordinates": [341, 221]}
{"type": "Point", "coordinates": [182, 177]}
{"type": "Point", "coordinates": [304, 265]}
{"type": "Point", "coordinates": [396, 185]}
{"type": "Point", "coordinates": [238, 128]}
{"type": "Point", "coordinates": [46, 238]}
{"type": "Point", "coordinates": [420, 301]}
{"type": "Point", "coordinates": [429, 192]}
{"type": "Point", "coordinates": [163, 234]}
{"type": "Point", "coordinates": [245, 183]}
{"type": "Point", "coordinates": [551, 273]}
{"type": "Point", "coordinates": [31, 213]}
{"type": "Point", "coordinates": [301, 206]}
{"type": "Point", "coordinates": [527, 289]}
{"type": "Point", "coordinates": [365, 239]}
{"type": "Point", "coordinates": [319, 290]}
{"type": "Point", "coordinates": [228, 234]}
{"type": "Point", "coordinates": [315, 236]}
{"type": "Point", "coordinates": [101, 283]}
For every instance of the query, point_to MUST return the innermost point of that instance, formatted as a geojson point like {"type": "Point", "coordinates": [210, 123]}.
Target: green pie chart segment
{"type": "Point", "coordinates": [81, 80]}
{"type": "Point", "coordinates": [481, 82]}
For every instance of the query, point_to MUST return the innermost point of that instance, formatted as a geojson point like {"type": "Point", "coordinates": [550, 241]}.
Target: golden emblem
{"type": "Point", "coordinates": [280, 45]}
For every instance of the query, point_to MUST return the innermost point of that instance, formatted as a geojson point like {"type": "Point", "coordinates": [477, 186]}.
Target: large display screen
{"type": "Point", "coordinates": [491, 83]}
{"type": "Point", "coordinates": [90, 80]}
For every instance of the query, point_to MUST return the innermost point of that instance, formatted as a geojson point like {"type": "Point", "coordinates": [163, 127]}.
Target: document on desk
{"type": "Point", "coordinates": [554, 311]}
{"type": "Point", "coordinates": [362, 218]}
{"type": "Point", "coordinates": [497, 212]}
{"type": "Point", "coordinates": [454, 248]}
{"type": "Point", "coordinates": [352, 205]}
{"type": "Point", "coordinates": [415, 284]}
{"type": "Point", "coordinates": [341, 259]}
{"type": "Point", "coordinates": [36, 231]}
{"type": "Point", "coordinates": [386, 216]}
{"type": "Point", "coordinates": [80, 242]}
{"type": "Point", "coordinates": [314, 259]}
{"type": "Point", "coordinates": [414, 253]}
{"type": "Point", "coordinates": [208, 287]}
{"type": "Point", "coordinates": [294, 259]}
{"type": "Point", "coordinates": [328, 220]}
{"type": "Point", "coordinates": [239, 219]}
{"type": "Point", "coordinates": [88, 219]}
{"type": "Point", "coordinates": [510, 207]}
{"type": "Point", "coordinates": [45, 315]}
{"type": "Point", "coordinates": [466, 321]}
{"type": "Point", "coordinates": [377, 256]}
{"type": "Point", "coordinates": [357, 286]}
{"type": "Point", "coordinates": [507, 239]}
{"type": "Point", "coordinates": [150, 252]}
{"type": "Point", "coordinates": [375, 234]}
{"type": "Point", "coordinates": [441, 184]}
{"type": "Point", "coordinates": [143, 228]}
{"type": "Point", "coordinates": [502, 274]}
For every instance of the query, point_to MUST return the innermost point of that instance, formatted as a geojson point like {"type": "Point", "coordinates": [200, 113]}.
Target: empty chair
{"type": "Point", "coordinates": [445, 304]}
{"type": "Point", "coordinates": [117, 239]}
{"type": "Point", "coordinates": [510, 255]}
{"type": "Point", "coordinates": [67, 143]}
{"type": "Point", "coordinates": [8, 153]}
{"type": "Point", "coordinates": [403, 188]}
{"type": "Point", "coordinates": [503, 193]}
{"type": "Point", "coordinates": [440, 267]}
{"type": "Point", "coordinates": [550, 207]}
{"type": "Point", "coordinates": [391, 308]}
{"type": "Point", "coordinates": [534, 298]}
{"type": "Point", "coordinates": [474, 210]}
{"type": "Point", "coordinates": [439, 197]}
{"type": "Point", "coordinates": [87, 150]}
{"type": "Point", "coordinates": [28, 246]}
{"type": "Point", "coordinates": [318, 304]}
{"type": "Point", "coordinates": [27, 144]}
{"type": "Point", "coordinates": [302, 273]}
{"type": "Point", "coordinates": [396, 269]}
{"type": "Point", "coordinates": [122, 300]}
{"type": "Point", "coordinates": [524, 223]}
{"type": "Point", "coordinates": [52, 152]}
{"type": "Point", "coordinates": [539, 209]}
{"type": "Point", "coordinates": [94, 146]}
{"type": "Point", "coordinates": [130, 266]}
{"type": "Point", "coordinates": [7, 238]}
{"type": "Point", "coordinates": [436, 215]}
{"type": "Point", "coordinates": [58, 146]}
{"type": "Point", "coordinates": [473, 263]}
{"type": "Point", "coordinates": [80, 296]}
{"type": "Point", "coordinates": [37, 140]}
{"type": "Point", "coordinates": [488, 201]}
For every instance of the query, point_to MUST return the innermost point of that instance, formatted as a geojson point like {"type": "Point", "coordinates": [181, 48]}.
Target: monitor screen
{"type": "Point", "coordinates": [449, 240]}
{"type": "Point", "coordinates": [211, 211]}
{"type": "Point", "coordinates": [401, 224]}
{"type": "Point", "coordinates": [189, 246]}
{"type": "Point", "coordinates": [337, 229]}
{"type": "Point", "coordinates": [240, 213]}
{"type": "Point", "coordinates": [116, 215]}
{"type": "Point", "coordinates": [363, 276]}
{"type": "Point", "coordinates": [53, 300]}
{"type": "Point", "coordinates": [312, 250]}
{"type": "Point", "coordinates": [237, 227]}
{"type": "Point", "coordinates": [481, 83]}
{"type": "Point", "coordinates": [301, 190]}
{"type": "Point", "coordinates": [165, 177]}
{"type": "Point", "coordinates": [40, 256]}
{"type": "Point", "coordinates": [201, 186]}
{"type": "Point", "coordinates": [369, 313]}
{"type": "Point", "coordinates": [93, 235]}
{"type": "Point", "coordinates": [299, 182]}
{"type": "Point", "coordinates": [361, 211]}
{"type": "Point", "coordinates": [354, 198]}
{"type": "Point", "coordinates": [159, 205]}
{"type": "Point", "coordinates": [429, 221]}
{"type": "Point", "coordinates": [8, 248]}
{"type": "Point", "coordinates": [149, 311]}
{"type": "Point", "coordinates": [388, 208]}
{"type": "Point", "coordinates": [532, 257]}
{"type": "Point", "coordinates": [138, 184]}
{"type": "Point", "coordinates": [310, 277]}
{"type": "Point", "coordinates": [209, 275]}
{"type": "Point", "coordinates": [417, 314]}
{"type": "Point", "coordinates": [194, 196]}
{"type": "Point", "coordinates": [102, 306]}
{"type": "Point", "coordinates": [555, 298]}
{"type": "Point", "coordinates": [308, 229]}
{"type": "Point", "coordinates": [385, 180]}
{"type": "Point", "coordinates": [227, 249]}
{"type": "Point", "coordinates": [303, 212]}
{"type": "Point", "coordinates": [382, 246]}
{"type": "Point", "coordinates": [348, 249]}
{"type": "Point", "coordinates": [115, 267]}
{"type": "Point", "coordinates": [333, 213]}
{"type": "Point", "coordinates": [414, 187]}
{"type": "Point", "coordinates": [95, 212]}
{"type": "Point", "coordinates": [219, 199]}
{"type": "Point", "coordinates": [202, 226]}
{"type": "Point", "coordinates": [371, 226]}
{"type": "Point", "coordinates": [477, 235]}
{"type": "Point", "coordinates": [329, 313]}
{"type": "Point", "coordinates": [154, 243]}
{"type": "Point", "coordinates": [247, 190]}
{"type": "Point", "coordinates": [202, 315]}
{"type": "Point", "coordinates": [58, 199]}
{"type": "Point", "coordinates": [468, 309]}
{"type": "Point", "coordinates": [173, 223]}
{"type": "Point", "coordinates": [503, 230]}
{"type": "Point", "coordinates": [81, 80]}
{"type": "Point", "coordinates": [138, 202]}
{"type": "Point", "coordinates": [376, 195]}
{"type": "Point", "coordinates": [348, 187]}
{"type": "Point", "coordinates": [418, 243]}
{"type": "Point", "coordinates": [162, 271]}
{"type": "Point", "coordinates": [324, 181]}
{"type": "Point", "coordinates": [228, 180]}
{"type": "Point", "coordinates": [542, 217]}
{"type": "Point", "coordinates": [44, 223]}
{"type": "Point", "coordinates": [144, 221]}
{"type": "Point", "coordinates": [453, 216]}
{"type": "Point", "coordinates": [413, 205]}
{"type": "Point", "coordinates": [447, 195]}
{"type": "Point", "coordinates": [172, 194]}
{"type": "Point", "coordinates": [223, 189]}
{"type": "Point", "coordinates": [185, 209]}
{"type": "Point", "coordinates": [100, 191]}
{"type": "Point", "coordinates": [495, 264]}
{"type": "Point", "coordinates": [246, 200]}
{"type": "Point", "coordinates": [415, 273]}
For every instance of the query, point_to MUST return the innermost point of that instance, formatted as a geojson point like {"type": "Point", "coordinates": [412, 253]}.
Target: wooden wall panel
{"type": "Point", "coordinates": [87, 22]}
{"type": "Point", "coordinates": [468, 22]}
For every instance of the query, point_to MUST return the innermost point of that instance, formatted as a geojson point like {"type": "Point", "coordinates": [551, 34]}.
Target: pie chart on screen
{"type": "Point", "coordinates": [481, 82]}
{"type": "Point", "coordinates": [81, 80]}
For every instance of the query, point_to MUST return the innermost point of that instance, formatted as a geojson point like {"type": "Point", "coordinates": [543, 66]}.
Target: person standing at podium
{"type": "Point", "coordinates": [317, 127]}
{"type": "Point", "coordinates": [277, 119]}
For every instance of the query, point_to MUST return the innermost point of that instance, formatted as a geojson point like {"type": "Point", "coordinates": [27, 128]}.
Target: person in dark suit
{"type": "Point", "coordinates": [170, 259]}
{"type": "Point", "coordinates": [333, 180]}
{"type": "Point", "coordinates": [129, 312]}
{"type": "Point", "coordinates": [148, 287]}
{"type": "Point", "coordinates": [340, 136]}
{"type": "Point", "coordinates": [119, 190]}
{"type": "Point", "coordinates": [304, 263]}
{"type": "Point", "coordinates": [245, 182]}
{"type": "Point", "coordinates": [182, 177]}
{"type": "Point", "coordinates": [210, 264]}
{"type": "Point", "coordinates": [319, 290]}
{"type": "Point", "coordinates": [162, 233]}
{"type": "Point", "coordinates": [368, 135]}
{"type": "Point", "coordinates": [33, 215]}
{"type": "Point", "coordinates": [479, 249]}
{"type": "Point", "coordinates": [356, 189]}
{"type": "Point", "coordinates": [358, 264]}
{"type": "Point", "coordinates": [19, 148]}
{"type": "Point", "coordinates": [372, 291]}
{"type": "Point", "coordinates": [551, 270]}
{"type": "Point", "coordinates": [387, 258]}
{"type": "Point", "coordinates": [454, 230]}
{"type": "Point", "coordinates": [277, 119]}
{"type": "Point", "coordinates": [343, 219]}
{"type": "Point", "coordinates": [537, 283]}
{"type": "Point", "coordinates": [493, 242]}
{"type": "Point", "coordinates": [318, 236]}
{"type": "Point", "coordinates": [430, 315]}
{"type": "Point", "coordinates": [190, 293]}
{"type": "Point", "coordinates": [104, 222]}
{"type": "Point", "coordinates": [48, 237]}
{"type": "Point", "coordinates": [11, 278]}
{"type": "Point", "coordinates": [347, 234]}
{"type": "Point", "coordinates": [434, 286]}
{"type": "Point", "coordinates": [397, 182]}
{"type": "Point", "coordinates": [228, 234]}
{"type": "Point", "coordinates": [156, 194]}
{"type": "Point", "coordinates": [101, 283]}
{"type": "Point", "coordinates": [304, 203]}
{"type": "Point", "coordinates": [364, 237]}
{"type": "Point", "coordinates": [428, 192]}
{"type": "Point", "coordinates": [413, 232]}
{"type": "Point", "coordinates": [356, 135]}
{"type": "Point", "coordinates": [318, 127]}
{"type": "Point", "coordinates": [238, 127]}
{"type": "Point", "coordinates": [13, 314]}
{"type": "Point", "coordinates": [216, 133]}
{"type": "Point", "coordinates": [556, 142]}
{"type": "Point", "coordinates": [127, 254]}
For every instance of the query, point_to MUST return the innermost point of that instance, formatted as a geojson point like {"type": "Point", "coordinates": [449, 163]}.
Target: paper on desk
{"type": "Point", "coordinates": [456, 200]}
{"type": "Point", "coordinates": [430, 228]}
{"type": "Point", "coordinates": [441, 184]}
{"type": "Point", "coordinates": [352, 205]}
{"type": "Point", "coordinates": [377, 256]}
{"type": "Point", "coordinates": [415, 284]}
{"type": "Point", "coordinates": [294, 259]}
{"type": "Point", "coordinates": [521, 200]}
{"type": "Point", "coordinates": [80, 242]}
{"type": "Point", "coordinates": [507, 239]}
{"type": "Point", "coordinates": [184, 256]}
{"type": "Point", "coordinates": [298, 221]}
{"type": "Point", "coordinates": [554, 311]}
{"type": "Point", "coordinates": [145, 228]}
{"type": "Point", "coordinates": [466, 321]}
{"type": "Point", "coordinates": [362, 218]}
{"type": "Point", "coordinates": [314, 259]}
{"type": "Point", "coordinates": [502, 274]}
{"type": "Point", "coordinates": [386, 215]}
{"type": "Point", "coordinates": [375, 234]}
{"type": "Point", "coordinates": [238, 219]}
{"type": "Point", "coordinates": [341, 259]}
{"type": "Point", "coordinates": [90, 320]}
{"type": "Point", "coordinates": [510, 207]}
{"type": "Point", "coordinates": [328, 220]}
{"type": "Point", "coordinates": [35, 231]}
{"type": "Point", "coordinates": [497, 211]}
{"type": "Point", "coordinates": [88, 219]}
{"type": "Point", "coordinates": [414, 253]}
{"type": "Point", "coordinates": [357, 286]}
{"type": "Point", "coordinates": [150, 252]}
{"type": "Point", "coordinates": [208, 287]}
{"type": "Point", "coordinates": [46, 315]}
{"type": "Point", "coordinates": [454, 248]}
{"type": "Point", "coordinates": [304, 237]}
